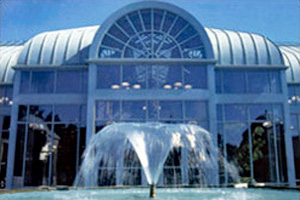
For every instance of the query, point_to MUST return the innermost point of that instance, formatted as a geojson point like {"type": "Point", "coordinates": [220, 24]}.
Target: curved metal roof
{"type": "Point", "coordinates": [70, 47]}
{"type": "Point", "coordinates": [291, 56]}
{"type": "Point", "coordinates": [8, 58]}
{"type": "Point", "coordinates": [239, 48]}
{"type": "Point", "coordinates": [63, 47]}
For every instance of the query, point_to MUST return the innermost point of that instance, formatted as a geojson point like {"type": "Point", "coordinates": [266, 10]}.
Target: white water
{"type": "Point", "coordinates": [152, 142]}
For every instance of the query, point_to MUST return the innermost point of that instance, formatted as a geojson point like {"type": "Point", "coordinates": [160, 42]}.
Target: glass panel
{"type": "Point", "coordinates": [18, 162]}
{"type": "Point", "coordinates": [221, 151]}
{"type": "Point", "coordinates": [81, 143]}
{"type": "Point", "coordinates": [83, 113]}
{"type": "Point", "coordinates": [295, 130]}
{"type": "Point", "coordinates": [3, 160]}
{"type": "Point", "coordinates": [64, 154]}
{"type": "Point", "coordinates": [238, 153]}
{"type": "Point", "coordinates": [37, 154]}
{"type": "Point", "coordinates": [125, 25]}
{"type": "Point", "coordinates": [112, 42]}
{"type": "Point", "coordinates": [136, 21]}
{"type": "Point", "coordinates": [6, 123]}
{"type": "Point", "coordinates": [159, 76]}
{"type": "Point", "coordinates": [235, 112]}
{"type": "Point", "coordinates": [218, 81]}
{"type": "Point", "coordinates": [146, 16]}
{"type": "Point", "coordinates": [108, 110]}
{"type": "Point", "coordinates": [196, 110]}
{"type": "Point", "coordinates": [258, 82]}
{"type": "Point", "coordinates": [68, 81]}
{"type": "Point", "coordinates": [84, 81]}
{"type": "Point", "coordinates": [260, 112]}
{"type": "Point", "coordinates": [108, 76]}
{"type": "Point", "coordinates": [195, 76]}
{"type": "Point", "coordinates": [171, 110]}
{"type": "Point", "coordinates": [25, 78]}
{"type": "Point", "coordinates": [42, 82]}
{"type": "Point", "coordinates": [219, 112]}
{"type": "Point", "coordinates": [178, 26]}
{"type": "Point", "coordinates": [153, 110]}
{"type": "Point", "coordinates": [64, 113]}
{"type": "Point", "coordinates": [134, 110]}
{"type": "Point", "coordinates": [22, 113]}
{"type": "Point", "coordinates": [135, 76]}
{"type": "Point", "coordinates": [169, 18]}
{"type": "Point", "coordinates": [40, 113]}
{"type": "Point", "coordinates": [158, 15]}
{"type": "Point", "coordinates": [234, 82]}
{"type": "Point", "coordinates": [275, 82]}
{"type": "Point", "coordinates": [263, 152]}
{"type": "Point", "coordinates": [118, 33]}
{"type": "Point", "coordinates": [279, 125]}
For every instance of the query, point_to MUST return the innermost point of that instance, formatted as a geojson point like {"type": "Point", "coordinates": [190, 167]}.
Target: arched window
{"type": "Point", "coordinates": [151, 33]}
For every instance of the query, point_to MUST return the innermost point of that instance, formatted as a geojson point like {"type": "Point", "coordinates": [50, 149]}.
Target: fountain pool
{"type": "Point", "coordinates": [163, 194]}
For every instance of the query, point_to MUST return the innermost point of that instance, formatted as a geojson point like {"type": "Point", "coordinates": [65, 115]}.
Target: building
{"type": "Point", "coordinates": [149, 61]}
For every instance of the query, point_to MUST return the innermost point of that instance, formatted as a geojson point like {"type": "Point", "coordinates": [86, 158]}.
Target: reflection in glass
{"type": "Point", "coordinates": [108, 76]}
{"type": "Point", "coordinates": [234, 82]}
{"type": "Point", "coordinates": [259, 82]}
{"type": "Point", "coordinates": [260, 111]}
{"type": "Point", "coordinates": [25, 79]}
{"type": "Point", "coordinates": [195, 76]}
{"type": "Point", "coordinates": [263, 153]}
{"type": "Point", "coordinates": [108, 110]}
{"type": "Point", "coordinates": [152, 77]}
{"type": "Point", "coordinates": [37, 154]}
{"type": "Point", "coordinates": [134, 110]}
{"type": "Point", "coordinates": [18, 162]}
{"type": "Point", "coordinates": [42, 82]}
{"type": "Point", "coordinates": [66, 113]}
{"type": "Point", "coordinates": [68, 81]}
{"type": "Point", "coordinates": [171, 110]}
{"type": "Point", "coordinates": [64, 154]}
{"type": "Point", "coordinates": [40, 113]}
{"type": "Point", "coordinates": [22, 113]}
{"type": "Point", "coordinates": [196, 110]}
{"type": "Point", "coordinates": [135, 75]}
{"type": "Point", "coordinates": [238, 152]}
{"type": "Point", "coordinates": [235, 112]}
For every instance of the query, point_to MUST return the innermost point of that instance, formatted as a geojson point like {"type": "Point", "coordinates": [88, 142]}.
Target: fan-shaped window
{"type": "Point", "coordinates": [151, 33]}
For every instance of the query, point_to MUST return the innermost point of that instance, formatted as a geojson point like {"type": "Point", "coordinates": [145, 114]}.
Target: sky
{"type": "Point", "coordinates": [279, 20]}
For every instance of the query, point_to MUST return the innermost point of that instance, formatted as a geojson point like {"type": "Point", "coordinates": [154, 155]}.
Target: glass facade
{"type": "Point", "coordinates": [152, 65]}
{"type": "Point", "coordinates": [50, 81]}
{"type": "Point", "coordinates": [252, 137]}
{"type": "Point", "coordinates": [6, 101]}
{"type": "Point", "coordinates": [50, 142]}
{"type": "Point", "coordinates": [248, 81]}
{"type": "Point", "coordinates": [294, 102]}
{"type": "Point", "coordinates": [152, 33]}
{"type": "Point", "coordinates": [151, 77]}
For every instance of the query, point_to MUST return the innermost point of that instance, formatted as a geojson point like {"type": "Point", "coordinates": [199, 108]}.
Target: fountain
{"type": "Point", "coordinates": [152, 143]}
{"type": "Point", "coordinates": [148, 145]}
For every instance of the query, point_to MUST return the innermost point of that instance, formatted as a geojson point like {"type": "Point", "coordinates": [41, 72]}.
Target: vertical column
{"type": "Point", "coordinates": [212, 114]}
{"type": "Point", "coordinates": [13, 133]}
{"type": "Point", "coordinates": [287, 135]}
{"type": "Point", "coordinates": [90, 117]}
